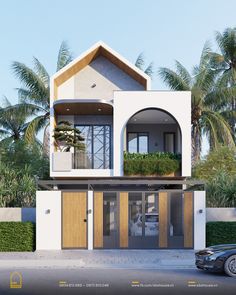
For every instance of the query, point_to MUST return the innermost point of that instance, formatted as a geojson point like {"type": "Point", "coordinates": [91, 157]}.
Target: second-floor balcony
{"type": "Point", "coordinates": [98, 160]}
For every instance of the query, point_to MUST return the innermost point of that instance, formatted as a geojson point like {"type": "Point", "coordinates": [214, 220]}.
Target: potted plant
{"type": "Point", "coordinates": [66, 137]}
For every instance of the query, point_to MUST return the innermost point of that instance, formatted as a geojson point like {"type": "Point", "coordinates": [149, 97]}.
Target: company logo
{"type": "Point", "coordinates": [15, 280]}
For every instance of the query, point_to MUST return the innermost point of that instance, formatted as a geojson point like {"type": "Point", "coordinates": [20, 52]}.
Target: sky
{"type": "Point", "coordinates": [164, 30]}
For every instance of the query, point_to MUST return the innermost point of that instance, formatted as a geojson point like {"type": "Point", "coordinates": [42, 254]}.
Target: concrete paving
{"type": "Point", "coordinates": [117, 259]}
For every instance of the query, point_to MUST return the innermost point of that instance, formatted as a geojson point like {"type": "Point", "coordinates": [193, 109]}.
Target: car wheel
{"type": "Point", "coordinates": [230, 266]}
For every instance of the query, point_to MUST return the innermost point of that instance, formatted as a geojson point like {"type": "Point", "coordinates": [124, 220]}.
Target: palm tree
{"type": "Point", "coordinates": [225, 61]}
{"type": "Point", "coordinates": [35, 93]}
{"type": "Point", "coordinates": [12, 122]}
{"type": "Point", "coordinates": [140, 63]}
{"type": "Point", "coordinates": [206, 93]}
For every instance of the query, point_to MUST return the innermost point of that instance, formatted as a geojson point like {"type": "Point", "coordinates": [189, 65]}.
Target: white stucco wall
{"type": "Point", "coordinates": [127, 103]}
{"type": "Point", "coordinates": [48, 220]}
{"type": "Point", "coordinates": [199, 220]}
{"type": "Point", "coordinates": [220, 214]}
{"type": "Point", "coordinates": [107, 77]}
{"type": "Point", "coordinates": [90, 220]}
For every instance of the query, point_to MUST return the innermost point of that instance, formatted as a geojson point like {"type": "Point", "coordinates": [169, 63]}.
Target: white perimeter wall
{"type": "Point", "coordinates": [48, 224]}
{"type": "Point", "coordinates": [220, 214]}
{"type": "Point", "coordinates": [199, 220]}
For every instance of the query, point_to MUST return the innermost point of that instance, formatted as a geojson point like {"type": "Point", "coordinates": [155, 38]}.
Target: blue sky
{"type": "Point", "coordinates": [164, 30]}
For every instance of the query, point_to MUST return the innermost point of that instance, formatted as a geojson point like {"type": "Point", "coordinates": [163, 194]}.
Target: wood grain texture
{"type": "Point", "coordinates": [98, 220]}
{"type": "Point", "coordinates": [188, 219]}
{"type": "Point", "coordinates": [123, 220]}
{"type": "Point", "coordinates": [163, 219]}
{"type": "Point", "coordinates": [74, 228]}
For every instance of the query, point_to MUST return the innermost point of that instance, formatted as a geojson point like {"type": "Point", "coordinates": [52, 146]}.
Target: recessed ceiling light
{"type": "Point", "coordinates": [166, 120]}
{"type": "Point", "coordinates": [68, 109]}
{"type": "Point", "coordinates": [135, 119]}
{"type": "Point", "coordinates": [99, 110]}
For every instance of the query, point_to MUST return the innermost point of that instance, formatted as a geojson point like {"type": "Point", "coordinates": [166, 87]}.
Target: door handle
{"type": "Point", "coordinates": [85, 220]}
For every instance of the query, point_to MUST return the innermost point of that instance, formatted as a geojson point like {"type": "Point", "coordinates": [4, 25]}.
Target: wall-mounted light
{"type": "Point", "coordinates": [200, 211]}
{"type": "Point", "coordinates": [47, 211]}
{"type": "Point", "coordinates": [67, 109]}
{"type": "Point", "coordinates": [93, 85]}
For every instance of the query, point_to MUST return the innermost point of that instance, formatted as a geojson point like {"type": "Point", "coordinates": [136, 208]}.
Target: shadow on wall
{"type": "Point", "coordinates": [18, 214]}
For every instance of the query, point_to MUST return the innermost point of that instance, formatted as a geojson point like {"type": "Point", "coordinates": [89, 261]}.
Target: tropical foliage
{"type": "Point", "coordinates": [225, 62]}
{"type": "Point", "coordinates": [218, 170]}
{"type": "Point", "coordinates": [35, 92]}
{"type": "Point", "coordinates": [208, 98]}
{"type": "Point", "coordinates": [140, 63]}
{"type": "Point", "coordinates": [219, 160]}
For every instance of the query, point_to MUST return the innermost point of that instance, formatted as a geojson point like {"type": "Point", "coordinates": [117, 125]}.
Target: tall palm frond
{"type": "Point", "coordinates": [34, 94]}
{"type": "Point", "coordinates": [209, 100]}
{"type": "Point", "coordinates": [140, 63]}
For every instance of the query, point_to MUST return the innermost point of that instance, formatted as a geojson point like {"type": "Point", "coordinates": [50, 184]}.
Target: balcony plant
{"type": "Point", "coordinates": [66, 137]}
{"type": "Point", "coordinates": [151, 164]}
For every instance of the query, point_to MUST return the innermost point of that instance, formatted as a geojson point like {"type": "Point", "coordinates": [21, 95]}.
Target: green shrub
{"type": "Point", "coordinates": [17, 236]}
{"type": "Point", "coordinates": [151, 164]}
{"type": "Point", "coordinates": [220, 233]}
{"type": "Point", "coordinates": [221, 191]}
{"type": "Point", "coordinates": [222, 159]}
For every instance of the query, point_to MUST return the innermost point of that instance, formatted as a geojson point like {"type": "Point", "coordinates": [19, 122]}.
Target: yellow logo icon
{"type": "Point", "coordinates": [15, 280]}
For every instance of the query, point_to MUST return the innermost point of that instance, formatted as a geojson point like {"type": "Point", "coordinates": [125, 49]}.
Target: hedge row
{"type": "Point", "coordinates": [17, 236]}
{"type": "Point", "coordinates": [150, 166]}
{"type": "Point", "coordinates": [220, 232]}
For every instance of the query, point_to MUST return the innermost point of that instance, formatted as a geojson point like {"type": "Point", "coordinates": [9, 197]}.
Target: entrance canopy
{"type": "Point", "coordinates": [122, 183]}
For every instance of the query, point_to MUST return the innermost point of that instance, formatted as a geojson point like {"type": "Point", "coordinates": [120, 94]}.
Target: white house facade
{"type": "Point", "coordinates": [127, 188]}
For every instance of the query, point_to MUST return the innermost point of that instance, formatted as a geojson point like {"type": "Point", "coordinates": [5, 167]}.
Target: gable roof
{"type": "Point", "coordinates": [100, 48]}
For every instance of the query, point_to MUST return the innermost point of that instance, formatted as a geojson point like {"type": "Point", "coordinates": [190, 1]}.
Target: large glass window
{"type": "Point", "coordinates": [151, 215]}
{"type": "Point", "coordinates": [110, 220]}
{"type": "Point", "coordinates": [97, 153]}
{"type": "Point", "coordinates": [138, 142]}
{"type": "Point", "coordinates": [135, 214]}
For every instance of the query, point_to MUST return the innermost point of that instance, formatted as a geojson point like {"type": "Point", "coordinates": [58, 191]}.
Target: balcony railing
{"type": "Point", "coordinates": [85, 160]}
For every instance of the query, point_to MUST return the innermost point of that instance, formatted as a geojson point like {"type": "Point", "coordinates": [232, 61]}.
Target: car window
{"type": "Point", "coordinates": [151, 218]}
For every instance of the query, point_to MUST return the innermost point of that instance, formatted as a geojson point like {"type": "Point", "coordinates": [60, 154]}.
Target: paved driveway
{"type": "Point", "coordinates": [138, 259]}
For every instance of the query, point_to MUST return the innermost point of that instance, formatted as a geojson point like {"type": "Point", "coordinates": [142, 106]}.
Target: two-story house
{"type": "Point", "coordinates": [127, 187]}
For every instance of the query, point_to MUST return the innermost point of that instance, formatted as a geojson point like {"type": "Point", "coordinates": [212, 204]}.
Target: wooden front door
{"type": "Point", "coordinates": [74, 220]}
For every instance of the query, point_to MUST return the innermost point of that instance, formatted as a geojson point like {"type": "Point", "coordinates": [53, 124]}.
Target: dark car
{"type": "Point", "coordinates": [219, 258]}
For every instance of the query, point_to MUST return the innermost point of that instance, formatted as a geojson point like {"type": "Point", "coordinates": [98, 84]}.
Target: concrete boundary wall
{"type": "Point", "coordinates": [220, 214]}
{"type": "Point", "coordinates": [18, 214]}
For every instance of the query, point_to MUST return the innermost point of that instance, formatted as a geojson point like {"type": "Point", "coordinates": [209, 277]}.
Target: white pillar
{"type": "Point", "coordinates": [48, 220]}
{"type": "Point", "coordinates": [90, 220]}
{"type": "Point", "coordinates": [199, 220]}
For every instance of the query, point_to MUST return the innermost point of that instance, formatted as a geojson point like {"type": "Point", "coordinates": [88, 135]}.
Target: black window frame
{"type": "Point", "coordinates": [139, 133]}
{"type": "Point", "coordinates": [92, 147]}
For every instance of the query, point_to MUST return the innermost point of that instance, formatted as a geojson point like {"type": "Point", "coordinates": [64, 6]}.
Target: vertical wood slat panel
{"type": "Point", "coordinates": [188, 219]}
{"type": "Point", "coordinates": [163, 219]}
{"type": "Point", "coordinates": [98, 220]}
{"type": "Point", "coordinates": [123, 220]}
{"type": "Point", "coordinates": [74, 229]}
